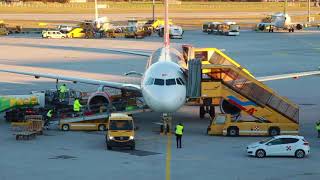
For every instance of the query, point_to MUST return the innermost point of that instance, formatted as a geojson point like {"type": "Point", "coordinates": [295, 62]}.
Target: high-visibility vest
{"type": "Point", "coordinates": [76, 105]}
{"type": "Point", "coordinates": [49, 113]}
{"type": "Point", "coordinates": [62, 89]}
{"type": "Point", "coordinates": [318, 127]}
{"type": "Point", "coordinates": [179, 129]}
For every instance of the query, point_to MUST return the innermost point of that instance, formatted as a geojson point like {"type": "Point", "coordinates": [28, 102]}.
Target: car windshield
{"type": "Point", "coordinates": [121, 125]}
{"type": "Point", "coordinates": [266, 140]}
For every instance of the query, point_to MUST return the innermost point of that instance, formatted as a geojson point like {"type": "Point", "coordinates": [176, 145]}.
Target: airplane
{"type": "Point", "coordinates": [163, 84]}
{"type": "Point", "coordinates": [279, 21]}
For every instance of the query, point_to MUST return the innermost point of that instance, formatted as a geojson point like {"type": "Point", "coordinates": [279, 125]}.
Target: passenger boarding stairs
{"type": "Point", "coordinates": [222, 77]}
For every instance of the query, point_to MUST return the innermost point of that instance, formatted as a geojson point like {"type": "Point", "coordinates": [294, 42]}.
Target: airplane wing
{"type": "Point", "coordinates": [116, 85]}
{"type": "Point", "coordinates": [134, 52]}
{"type": "Point", "coordinates": [286, 76]}
{"type": "Point", "coordinates": [76, 80]}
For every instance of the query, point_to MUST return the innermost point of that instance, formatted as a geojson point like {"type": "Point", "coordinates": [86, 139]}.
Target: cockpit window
{"type": "Point", "coordinates": [182, 81]}
{"type": "Point", "coordinates": [170, 82]}
{"type": "Point", "coordinates": [149, 81]}
{"type": "Point", "coordinates": [159, 82]}
{"type": "Point", "coordinates": [179, 82]}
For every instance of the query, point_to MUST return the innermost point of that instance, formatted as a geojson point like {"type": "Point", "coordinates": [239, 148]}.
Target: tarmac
{"type": "Point", "coordinates": [83, 155]}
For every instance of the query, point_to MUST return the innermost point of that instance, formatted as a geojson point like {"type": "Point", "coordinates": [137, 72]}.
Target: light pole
{"type": "Point", "coordinates": [285, 6]}
{"type": "Point", "coordinates": [309, 11]}
{"type": "Point", "coordinates": [96, 13]}
{"type": "Point", "coordinates": [153, 6]}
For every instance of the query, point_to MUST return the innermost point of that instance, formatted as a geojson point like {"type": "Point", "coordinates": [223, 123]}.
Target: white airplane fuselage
{"type": "Point", "coordinates": [163, 85]}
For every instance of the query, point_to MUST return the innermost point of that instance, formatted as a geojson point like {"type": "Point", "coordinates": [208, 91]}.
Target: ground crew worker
{"type": "Point", "coordinates": [48, 118]}
{"type": "Point", "coordinates": [76, 106]}
{"type": "Point", "coordinates": [318, 128]}
{"type": "Point", "coordinates": [179, 132]}
{"type": "Point", "coordinates": [62, 91]}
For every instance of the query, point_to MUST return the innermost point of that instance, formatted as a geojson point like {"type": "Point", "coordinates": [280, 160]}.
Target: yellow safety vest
{"type": "Point", "coordinates": [49, 113]}
{"type": "Point", "coordinates": [63, 89]}
{"type": "Point", "coordinates": [179, 129]}
{"type": "Point", "coordinates": [318, 127]}
{"type": "Point", "coordinates": [76, 105]}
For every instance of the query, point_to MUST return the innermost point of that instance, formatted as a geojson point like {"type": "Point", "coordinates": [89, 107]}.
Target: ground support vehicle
{"type": "Point", "coordinates": [254, 108]}
{"type": "Point", "coordinates": [16, 107]}
{"type": "Point", "coordinates": [285, 145]}
{"type": "Point", "coordinates": [121, 131]}
{"type": "Point", "coordinates": [115, 33]}
{"type": "Point", "coordinates": [52, 34]}
{"type": "Point", "coordinates": [134, 32]}
{"type": "Point", "coordinates": [96, 122]}
{"type": "Point", "coordinates": [175, 32]}
{"type": "Point", "coordinates": [32, 126]}
{"type": "Point", "coordinates": [226, 28]}
{"type": "Point", "coordinates": [77, 33]}
{"type": "Point", "coordinates": [3, 30]}
{"type": "Point", "coordinates": [210, 27]}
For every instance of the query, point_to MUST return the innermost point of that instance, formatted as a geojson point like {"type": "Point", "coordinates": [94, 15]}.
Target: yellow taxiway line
{"type": "Point", "coordinates": [168, 157]}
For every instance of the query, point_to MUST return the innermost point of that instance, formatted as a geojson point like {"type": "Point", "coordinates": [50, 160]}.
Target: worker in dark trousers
{"type": "Point", "coordinates": [48, 118]}
{"type": "Point", "coordinates": [76, 107]}
{"type": "Point", "coordinates": [179, 133]}
{"type": "Point", "coordinates": [318, 128]}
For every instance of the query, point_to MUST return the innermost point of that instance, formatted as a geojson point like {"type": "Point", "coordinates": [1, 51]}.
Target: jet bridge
{"type": "Point", "coordinates": [239, 93]}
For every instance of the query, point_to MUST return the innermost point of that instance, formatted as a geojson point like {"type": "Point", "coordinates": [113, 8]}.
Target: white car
{"type": "Point", "coordinates": [53, 34]}
{"type": "Point", "coordinates": [284, 145]}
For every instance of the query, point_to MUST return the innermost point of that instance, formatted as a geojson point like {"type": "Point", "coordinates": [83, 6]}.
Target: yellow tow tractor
{"type": "Point", "coordinates": [121, 131]}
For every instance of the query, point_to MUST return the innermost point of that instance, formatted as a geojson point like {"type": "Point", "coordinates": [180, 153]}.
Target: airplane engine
{"type": "Point", "coordinates": [98, 100]}
{"type": "Point", "coordinates": [299, 26]}
{"type": "Point", "coordinates": [228, 108]}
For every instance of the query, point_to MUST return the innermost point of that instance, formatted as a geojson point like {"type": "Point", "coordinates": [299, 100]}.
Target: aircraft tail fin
{"type": "Point", "coordinates": [166, 29]}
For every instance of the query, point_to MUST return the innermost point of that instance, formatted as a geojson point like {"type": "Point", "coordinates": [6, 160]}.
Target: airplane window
{"type": "Point", "coordinates": [179, 82]}
{"type": "Point", "coordinates": [182, 81]}
{"type": "Point", "coordinates": [149, 81]}
{"type": "Point", "coordinates": [170, 82]}
{"type": "Point", "coordinates": [159, 82]}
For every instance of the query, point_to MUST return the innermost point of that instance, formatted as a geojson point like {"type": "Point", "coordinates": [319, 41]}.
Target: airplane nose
{"type": "Point", "coordinates": [166, 100]}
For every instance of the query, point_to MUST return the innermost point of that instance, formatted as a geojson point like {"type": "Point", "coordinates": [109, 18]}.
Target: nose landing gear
{"type": "Point", "coordinates": [165, 128]}
{"type": "Point", "coordinates": [207, 107]}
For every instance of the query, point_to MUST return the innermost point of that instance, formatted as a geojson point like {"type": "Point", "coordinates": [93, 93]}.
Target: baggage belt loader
{"type": "Point", "coordinates": [248, 107]}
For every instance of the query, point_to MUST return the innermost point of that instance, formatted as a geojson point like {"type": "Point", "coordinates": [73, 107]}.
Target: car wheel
{"type": "Point", "coordinates": [299, 154]}
{"type": "Point", "coordinates": [233, 131]}
{"type": "Point", "coordinates": [109, 147]}
{"type": "Point", "coordinates": [65, 127]}
{"type": "Point", "coordinates": [274, 131]}
{"type": "Point", "coordinates": [260, 153]}
{"type": "Point", "coordinates": [101, 127]}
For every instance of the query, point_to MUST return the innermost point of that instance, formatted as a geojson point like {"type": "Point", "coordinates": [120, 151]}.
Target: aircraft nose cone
{"type": "Point", "coordinates": [165, 100]}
